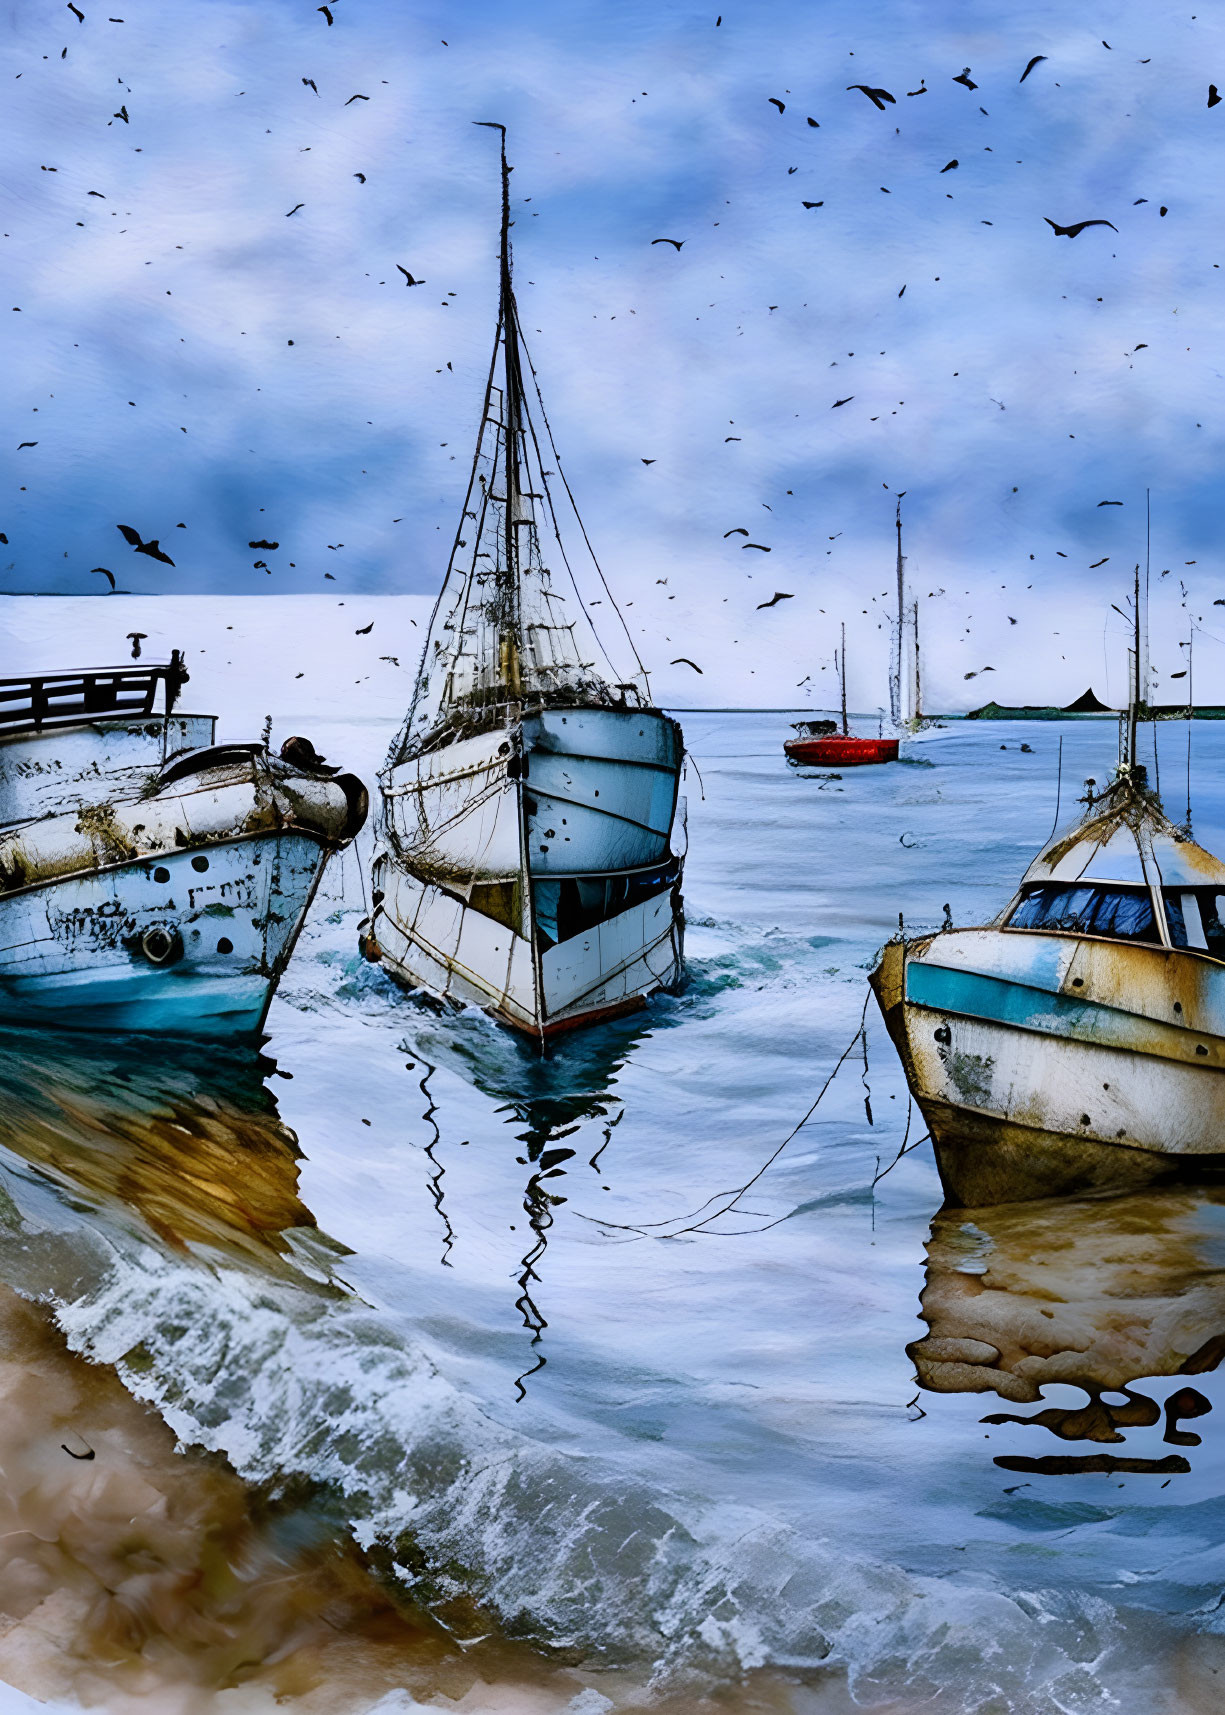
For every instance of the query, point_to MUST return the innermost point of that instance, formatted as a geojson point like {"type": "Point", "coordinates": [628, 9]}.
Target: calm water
{"type": "Point", "coordinates": [510, 1317]}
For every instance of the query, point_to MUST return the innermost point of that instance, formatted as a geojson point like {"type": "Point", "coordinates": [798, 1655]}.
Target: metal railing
{"type": "Point", "coordinates": [71, 699]}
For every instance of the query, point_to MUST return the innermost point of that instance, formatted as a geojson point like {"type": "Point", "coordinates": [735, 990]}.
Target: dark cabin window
{"type": "Point", "coordinates": [1196, 918]}
{"type": "Point", "coordinates": [1122, 914]}
{"type": "Point", "coordinates": [574, 904]}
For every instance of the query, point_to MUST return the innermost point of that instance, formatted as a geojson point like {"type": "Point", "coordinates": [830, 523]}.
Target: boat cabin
{"type": "Point", "coordinates": [1194, 916]}
{"type": "Point", "coordinates": [1126, 875]}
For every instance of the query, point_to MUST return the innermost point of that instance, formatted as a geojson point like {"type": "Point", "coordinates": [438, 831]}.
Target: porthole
{"type": "Point", "coordinates": [161, 873]}
{"type": "Point", "coordinates": [199, 862]}
{"type": "Point", "coordinates": [225, 945]}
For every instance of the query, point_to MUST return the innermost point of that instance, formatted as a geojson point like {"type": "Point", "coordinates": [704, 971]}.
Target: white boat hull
{"type": "Point", "coordinates": [528, 869]}
{"type": "Point", "coordinates": [71, 950]}
{"type": "Point", "coordinates": [173, 913]}
{"type": "Point", "coordinates": [1047, 1063]}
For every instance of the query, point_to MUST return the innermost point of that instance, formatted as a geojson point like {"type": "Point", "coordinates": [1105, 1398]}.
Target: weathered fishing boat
{"type": "Point", "coordinates": [524, 860]}
{"type": "Point", "coordinates": [1077, 1041]}
{"type": "Point", "coordinates": [152, 880]}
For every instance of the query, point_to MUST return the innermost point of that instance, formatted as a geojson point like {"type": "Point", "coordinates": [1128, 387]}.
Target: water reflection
{"type": "Point", "coordinates": [1094, 1292]}
{"type": "Point", "coordinates": [189, 1144]}
{"type": "Point", "coordinates": [560, 1107]}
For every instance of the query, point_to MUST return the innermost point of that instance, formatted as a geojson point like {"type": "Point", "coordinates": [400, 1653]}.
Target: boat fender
{"type": "Point", "coordinates": [358, 800]}
{"type": "Point", "coordinates": [162, 945]}
{"type": "Point", "coordinates": [942, 1033]}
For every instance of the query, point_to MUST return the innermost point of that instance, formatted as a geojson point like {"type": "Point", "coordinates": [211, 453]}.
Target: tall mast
{"type": "Point", "coordinates": [843, 676]}
{"type": "Point", "coordinates": [897, 708]}
{"type": "Point", "coordinates": [1133, 696]}
{"type": "Point", "coordinates": [512, 425]}
{"type": "Point", "coordinates": [1142, 663]}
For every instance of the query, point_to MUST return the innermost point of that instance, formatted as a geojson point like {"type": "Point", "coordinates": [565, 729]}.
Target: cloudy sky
{"type": "Point", "coordinates": [183, 350]}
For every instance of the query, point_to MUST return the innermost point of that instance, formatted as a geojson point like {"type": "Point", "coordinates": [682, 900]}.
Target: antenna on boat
{"type": "Point", "coordinates": [843, 677]}
{"type": "Point", "coordinates": [1058, 788]}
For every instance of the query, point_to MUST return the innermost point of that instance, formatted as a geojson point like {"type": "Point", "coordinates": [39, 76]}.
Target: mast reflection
{"type": "Point", "coordinates": [1098, 1293]}
{"type": "Point", "coordinates": [561, 1108]}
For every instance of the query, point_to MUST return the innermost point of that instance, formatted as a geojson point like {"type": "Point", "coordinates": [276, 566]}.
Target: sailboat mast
{"type": "Point", "coordinates": [896, 709]}
{"type": "Point", "coordinates": [512, 416]}
{"type": "Point", "coordinates": [916, 712]}
{"type": "Point", "coordinates": [843, 677]}
{"type": "Point", "coordinates": [1133, 699]}
{"type": "Point", "coordinates": [1142, 662]}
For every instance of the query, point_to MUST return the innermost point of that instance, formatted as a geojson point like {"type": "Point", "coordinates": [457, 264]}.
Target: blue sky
{"type": "Point", "coordinates": [1018, 380]}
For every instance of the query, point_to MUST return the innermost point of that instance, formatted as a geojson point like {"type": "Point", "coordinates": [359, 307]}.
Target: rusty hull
{"type": "Point", "coordinates": [1046, 1064]}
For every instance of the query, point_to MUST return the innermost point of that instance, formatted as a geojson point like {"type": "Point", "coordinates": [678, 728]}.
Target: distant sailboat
{"type": "Point", "coordinates": [1078, 1041]}
{"type": "Point", "coordinates": [819, 743]}
{"type": "Point", "coordinates": [524, 860]}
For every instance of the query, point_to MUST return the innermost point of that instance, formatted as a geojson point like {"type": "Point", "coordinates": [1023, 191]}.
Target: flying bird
{"type": "Point", "coordinates": [80, 16]}
{"type": "Point", "coordinates": [1072, 231]}
{"type": "Point", "coordinates": [677, 241]}
{"type": "Point", "coordinates": [311, 84]}
{"type": "Point", "coordinates": [110, 576]}
{"type": "Point", "coordinates": [1098, 563]}
{"type": "Point", "coordinates": [122, 113]}
{"type": "Point", "coordinates": [877, 97]}
{"type": "Point", "coordinates": [922, 89]}
{"type": "Point", "coordinates": [152, 547]}
{"type": "Point", "coordinates": [965, 78]}
{"type": "Point", "coordinates": [1213, 97]}
{"type": "Point", "coordinates": [775, 102]}
{"type": "Point", "coordinates": [684, 661]}
{"type": "Point", "coordinates": [1036, 61]}
{"type": "Point", "coordinates": [849, 396]}
{"type": "Point", "coordinates": [950, 166]}
{"type": "Point", "coordinates": [295, 208]}
{"type": "Point", "coordinates": [1110, 503]}
{"type": "Point", "coordinates": [737, 530]}
{"type": "Point", "coordinates": [326, 14]}
{"type": "Point", "coordinates": [264, 545]}
{"type": "Point", "coordinates": [360, 176]}
{"type": "Point", "coordinates": [364, 630]}
{"type": "Point", "coordinates": [136, 638]}
{"type": "Point", "coordinates": [21, 444]}
{"type": "Point", "coordinates": [820, 204]}
{"type": "Point", "coordinates": [759, 545]}
{"type": "Point", "coordinates": [779, 595]}
{"type": "Point", "coordinates": [814, 124]}
{"type": "Point", "coordinates": [354, 98]}
{"type": "Point", "coordinates": [648, 461]}
{"type": "Point", "coordinates": [408, 279]}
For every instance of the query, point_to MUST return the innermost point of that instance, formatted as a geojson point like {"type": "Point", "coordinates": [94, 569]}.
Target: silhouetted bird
{"type": "Point", "coordinates": [877, 97]}
{"type": "Point", "coordinates": [1072, 231]}
{"type": "Point", "coordinates": [779, 595]}
{"type": "Point", "coordinates": [110, 576]}
{"type": "Point", "coordinates": [1036, 61]}
{"type": "Point", "coordinates": [151, 548]}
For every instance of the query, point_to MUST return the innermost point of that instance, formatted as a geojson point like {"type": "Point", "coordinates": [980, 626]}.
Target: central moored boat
{"type": "Point", "coordinates": [525, 862]}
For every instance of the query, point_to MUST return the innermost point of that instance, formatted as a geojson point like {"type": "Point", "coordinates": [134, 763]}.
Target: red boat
{"type": "Point", "coordinates": [820, 742]}
{"type": "Point", "coordinates": [840, 750]}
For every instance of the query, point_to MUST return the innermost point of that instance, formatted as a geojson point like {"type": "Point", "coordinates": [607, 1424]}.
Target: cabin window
{"type": "Point", "coordinates": [1122, 914]}
{"type": "Point", "coordinates": [1196, 918]}
{"type": "Point", "coordinates": [573, 904]}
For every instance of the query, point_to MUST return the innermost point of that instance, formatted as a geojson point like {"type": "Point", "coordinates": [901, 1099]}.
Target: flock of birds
{"type": "Point", "coordinates": [881, 100]}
